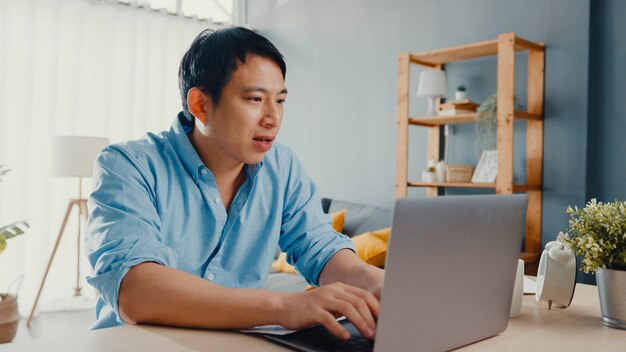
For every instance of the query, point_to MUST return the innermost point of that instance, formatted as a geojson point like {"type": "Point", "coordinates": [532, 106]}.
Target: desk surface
{"type": "Point", "coordinates": [577, 328]}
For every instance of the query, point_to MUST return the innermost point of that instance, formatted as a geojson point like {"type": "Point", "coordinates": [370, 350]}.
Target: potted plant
{"type": "Point", "coordinates": [485, 126]}
{"type": "Point", "coordinates": [9, 313]}
{"type": "Point", "coordinates": [460, 93]}
{"type": "Point", "coordinates": [597, 233]}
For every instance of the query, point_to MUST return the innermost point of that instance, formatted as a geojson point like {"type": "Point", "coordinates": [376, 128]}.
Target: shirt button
{"type": "Point", "coordinates": [203, 171]}
{"type": "Point", "coordinates": [210, 277]}
{"type": "Point", "coordinates": [217, 200]}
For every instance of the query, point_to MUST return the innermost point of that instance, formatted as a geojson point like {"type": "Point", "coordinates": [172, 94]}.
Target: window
{"type": "Point", "coordinates": [217, 11]}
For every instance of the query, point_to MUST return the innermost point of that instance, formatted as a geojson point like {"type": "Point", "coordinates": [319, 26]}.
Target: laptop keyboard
{"type": "Point", "coordinates": [355, 343]}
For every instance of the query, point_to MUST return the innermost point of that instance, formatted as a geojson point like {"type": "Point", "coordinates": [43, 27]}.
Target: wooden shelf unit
{"type": "Point", "coordinates": [504, 47]}
{"type": "Point", "coordinates": [516, 188]}
{"type": "Point", "coordinates": [430, 121]}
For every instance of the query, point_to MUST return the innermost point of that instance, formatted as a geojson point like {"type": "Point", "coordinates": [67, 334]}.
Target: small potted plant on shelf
{"type": "Point", "coordinates": [460, 94]}
{"type": "Point", "coordinates": [9, 313]}
{"type": "Point", "coordinates": [597, 233]}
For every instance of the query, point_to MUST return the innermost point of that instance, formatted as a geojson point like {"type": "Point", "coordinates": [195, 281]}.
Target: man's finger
{"type": "Point", "coordinates": [350, 312]}
{"type": "Point", "coordinates": [361, 306]}
{"type": "Point", "coordinates": [330, 322]}
{"type": "Point", "coordinates": [370, 299]}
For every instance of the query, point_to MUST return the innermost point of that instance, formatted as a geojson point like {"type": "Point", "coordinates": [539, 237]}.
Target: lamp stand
{"type": "Point", "coordinates": [81, 204]}
{"type": "Point", "coordinates": [432, 106]}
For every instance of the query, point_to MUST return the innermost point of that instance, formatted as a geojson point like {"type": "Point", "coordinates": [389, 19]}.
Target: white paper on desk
{"type": "Point", "coordinates": [273, 329]}
{"type": "Point", "coordinates": [268, 329]}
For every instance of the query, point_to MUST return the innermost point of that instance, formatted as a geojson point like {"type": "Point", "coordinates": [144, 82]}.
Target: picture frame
{"type": "Point", "coordinates": [487, 168]}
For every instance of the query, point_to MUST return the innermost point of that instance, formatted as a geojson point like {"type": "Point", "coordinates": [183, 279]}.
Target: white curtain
{"type": "Point", "coordinates": [72, 67]}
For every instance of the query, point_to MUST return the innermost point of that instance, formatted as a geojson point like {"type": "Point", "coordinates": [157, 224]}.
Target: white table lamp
{"type": "Point", "coordinates": [73, 157]}
{"type": "Point", "coordinates": [432, 84]}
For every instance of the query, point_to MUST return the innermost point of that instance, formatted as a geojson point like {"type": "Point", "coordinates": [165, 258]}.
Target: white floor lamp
{"type": "Point", "coordinates": [74, 157]}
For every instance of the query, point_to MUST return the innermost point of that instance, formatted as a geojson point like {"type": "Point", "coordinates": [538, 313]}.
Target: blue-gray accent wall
{"type": "Point", "coordinates": [606, 152]}
{"type": "Point", "coordinates": [607, 102]}
{"type": "Point", "coordinates": [342, 75]}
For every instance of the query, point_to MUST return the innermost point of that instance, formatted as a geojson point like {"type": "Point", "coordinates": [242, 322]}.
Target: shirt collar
{"type": "Point", "coordinates": [187, 153]}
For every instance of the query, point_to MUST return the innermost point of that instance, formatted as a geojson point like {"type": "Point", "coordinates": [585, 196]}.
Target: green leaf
{"type": "Point", "coordinates": [13, 230]}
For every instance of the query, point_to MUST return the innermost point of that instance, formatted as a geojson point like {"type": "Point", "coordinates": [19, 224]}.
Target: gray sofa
{"type": "Point", "coordinates": [360, 218]}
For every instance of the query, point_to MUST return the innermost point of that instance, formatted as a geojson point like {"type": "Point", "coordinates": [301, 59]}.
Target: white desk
{"type": "Point", "coordinates": [576, 328]}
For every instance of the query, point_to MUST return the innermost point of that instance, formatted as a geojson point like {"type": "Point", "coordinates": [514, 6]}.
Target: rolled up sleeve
{"type": "Point", "coordinates": [307, 235]}
{"type": "Point", "coordinates": [123, 229]}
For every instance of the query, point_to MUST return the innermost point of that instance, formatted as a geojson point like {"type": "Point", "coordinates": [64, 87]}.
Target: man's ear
{"type": "Point", "coordinates": [200, 104]}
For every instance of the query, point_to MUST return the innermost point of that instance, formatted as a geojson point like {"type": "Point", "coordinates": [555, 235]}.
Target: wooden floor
{"type": "Point", "coordinates": [55, 324]}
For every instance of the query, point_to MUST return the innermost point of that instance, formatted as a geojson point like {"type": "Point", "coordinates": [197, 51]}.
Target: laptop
{"type": "Point", "coordinates": [449, 277]}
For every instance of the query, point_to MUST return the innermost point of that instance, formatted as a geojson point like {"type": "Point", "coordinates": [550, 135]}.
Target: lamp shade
{"type": "Point", "coordinates": [74, 155]}
{"type": "Point", "coordinates": [432, 83]}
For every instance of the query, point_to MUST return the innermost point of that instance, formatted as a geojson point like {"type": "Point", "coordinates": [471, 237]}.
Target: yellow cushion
{"type": "Point", "coordinates": [280, 264]}
{"type": "Point", "coordinates": [339, 220]}
{"type": "Point", "coordinates": [383, 234]}
{"type": "Point", "coordinates": [372, 246]}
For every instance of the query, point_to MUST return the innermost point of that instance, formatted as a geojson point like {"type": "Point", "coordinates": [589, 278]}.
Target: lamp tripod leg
{"type": "Point", "coordinates": [82, 220]}
{"type": "Point", "coordinates": [77, 289]}
{"type": "Point", "coordinates": [54, 250]}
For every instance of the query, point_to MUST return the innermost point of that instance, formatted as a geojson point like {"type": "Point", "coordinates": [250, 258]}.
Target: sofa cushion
{"type": "Point", "coordinates": [339, 219]}
{"type": "Point", "coordinates": [360, 218]}
{"type": "Point", "coordinates": [372, 246]}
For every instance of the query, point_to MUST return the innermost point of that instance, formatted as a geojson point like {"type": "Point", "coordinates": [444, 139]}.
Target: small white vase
{"type": "Point", "coordinates": [460, 95]}
{"type": "Point", "coordinates": [441, 171]}
{"type": "Point", "coordinates": [429, 177]}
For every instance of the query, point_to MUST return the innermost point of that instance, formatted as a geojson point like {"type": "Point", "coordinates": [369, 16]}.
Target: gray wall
{"type": "Point", "coordinates": [342, 74]}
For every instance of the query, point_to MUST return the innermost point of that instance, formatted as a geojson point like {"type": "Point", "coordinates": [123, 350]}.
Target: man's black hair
{"type": "Point", "coordinates": [214, 56]}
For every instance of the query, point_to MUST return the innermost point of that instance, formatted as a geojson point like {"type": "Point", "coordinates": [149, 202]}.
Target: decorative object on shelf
{"type": "Point", "coordinates": [74, 157]}
{"type": "Point", "coordinates": [460, 173]}
{"type": "Point", "coordinates": [487, 168]}
{"type": "Point", "coordinates": [432, 84]}
{"type": "Point", "coordinates": [9, 311]}
{"type": "Point", "coordinates": [597, 233]}
{"type": "Point", "coordinates": [429, 175]}
{"type": "Point", "coordinates": [460, 93]}
{"type": "Point", "coordinates": [457, 107]}
{"type": "Point", "coordinates": [441, 171]}
{"type": "Point", "coordinates": [485, 127]}
{"type": "Point", "coordinates": [556, 276]}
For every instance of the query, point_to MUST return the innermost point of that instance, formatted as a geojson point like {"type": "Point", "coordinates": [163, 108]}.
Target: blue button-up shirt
{"type": "Point", "coordinates": [155, 201]}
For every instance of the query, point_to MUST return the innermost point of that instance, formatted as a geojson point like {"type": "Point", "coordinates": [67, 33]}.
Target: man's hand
{"type": "Point", "coordinates": [378, 291]}
{"type": "Point", "coordinates": [322, 306]}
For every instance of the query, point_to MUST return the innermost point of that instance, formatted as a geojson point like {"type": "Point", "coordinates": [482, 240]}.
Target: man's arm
{"type": "Point", "coordinates": [152, 293]}
{"type": "Point", "coordinates": [345, 266]}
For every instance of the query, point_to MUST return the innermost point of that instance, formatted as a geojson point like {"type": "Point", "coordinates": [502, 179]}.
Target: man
{"type": "Point", "coordinates": [184, 223]}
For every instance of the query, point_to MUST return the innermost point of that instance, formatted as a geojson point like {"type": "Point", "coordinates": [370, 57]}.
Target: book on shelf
{"type": "Point", "coordinates": [457, 107]}
{"type": "Point", "coordinates": [452, 112]}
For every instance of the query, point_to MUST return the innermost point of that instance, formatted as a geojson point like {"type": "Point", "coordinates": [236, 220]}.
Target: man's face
{"type": "Point", "coordinates": [245, 122]}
